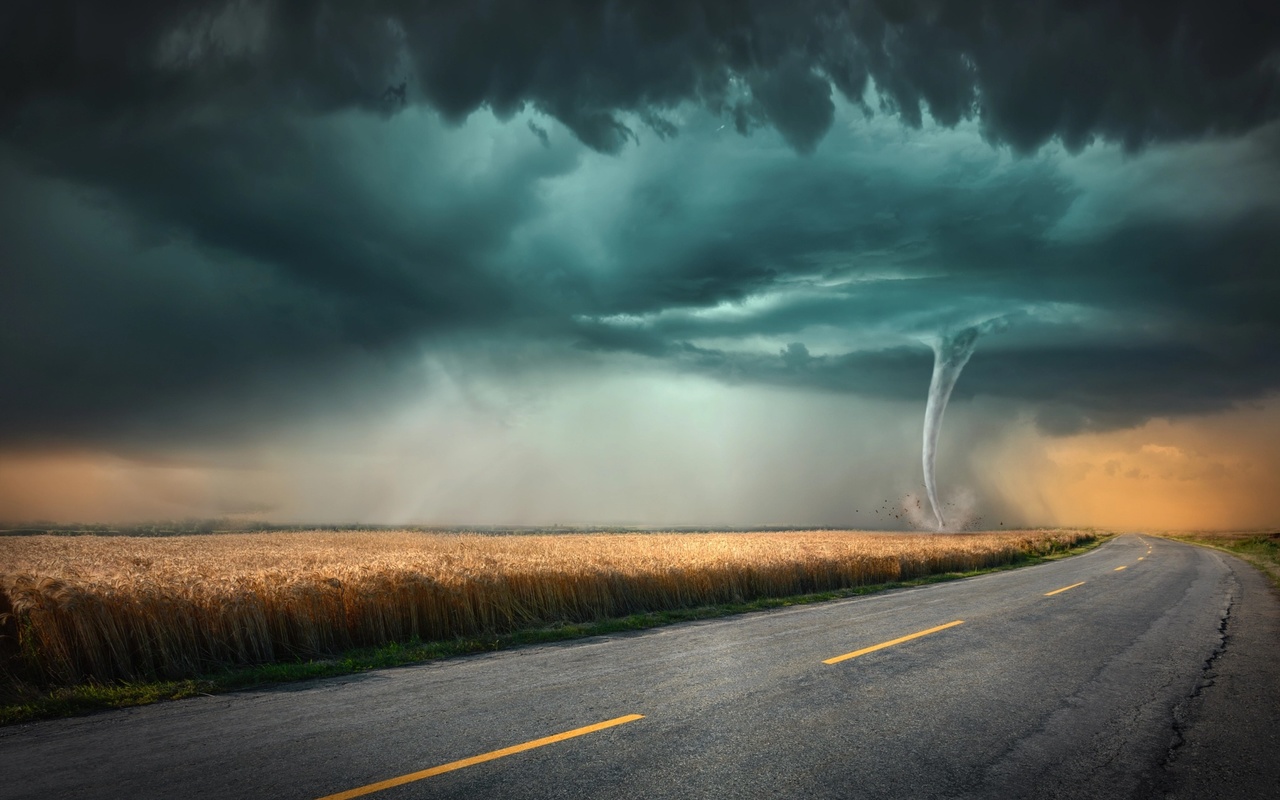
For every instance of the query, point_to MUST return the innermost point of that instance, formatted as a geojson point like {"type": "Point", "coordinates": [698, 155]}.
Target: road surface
{"type": "Point", "coordinates": [1146, 668]}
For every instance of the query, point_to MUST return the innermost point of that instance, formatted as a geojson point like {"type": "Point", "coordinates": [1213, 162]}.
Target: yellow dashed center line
{"type": "Point", "coordinates": [480, 759]}
{"type": "Point", "coordinates": [391, 783]}
{"type": "Point", "coordinates": [891, 643]}
{"type": "Point", "coordinates": [1123, 566]}
{"type": "Point", "coordinates": [1063, 589]}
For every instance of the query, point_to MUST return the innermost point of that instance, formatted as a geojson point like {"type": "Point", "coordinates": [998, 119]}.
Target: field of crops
{"type": "Point", "coordinates": [90, 608]}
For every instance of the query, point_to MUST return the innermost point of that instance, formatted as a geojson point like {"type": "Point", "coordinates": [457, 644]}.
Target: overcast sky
{"type": "Point", "coordinates": [640, 263]}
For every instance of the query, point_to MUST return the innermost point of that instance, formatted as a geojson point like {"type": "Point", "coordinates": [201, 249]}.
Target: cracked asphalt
{"type": "Point", "coordinates": [1158, 680]}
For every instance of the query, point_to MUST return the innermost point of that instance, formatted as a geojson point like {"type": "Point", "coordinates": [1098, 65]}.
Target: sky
{"type": "Point", "coordinates": [640, 263]}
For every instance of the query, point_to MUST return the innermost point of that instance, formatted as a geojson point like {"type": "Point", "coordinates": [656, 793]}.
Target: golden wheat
{"type": "Point", "coordinates": [107, 608]}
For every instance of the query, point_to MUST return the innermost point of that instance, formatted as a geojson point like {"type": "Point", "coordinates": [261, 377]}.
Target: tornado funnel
{"type": "Point", "coordinates": [950, 353]}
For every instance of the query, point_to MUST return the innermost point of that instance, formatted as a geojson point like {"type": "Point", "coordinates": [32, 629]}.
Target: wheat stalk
{"type": "Point", "coordinates": [127, 608]}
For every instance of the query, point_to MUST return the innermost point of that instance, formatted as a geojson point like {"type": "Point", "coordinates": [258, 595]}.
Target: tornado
{"type": "Point", "coordinates": [950, 353]}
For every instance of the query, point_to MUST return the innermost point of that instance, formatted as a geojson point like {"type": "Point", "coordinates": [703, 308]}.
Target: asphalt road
{"type": "Point", "coordinates": [1155, 680]}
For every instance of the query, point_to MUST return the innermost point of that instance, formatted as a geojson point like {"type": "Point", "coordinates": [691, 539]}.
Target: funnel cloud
{"type": "Point", "coordinates": [950, 353]}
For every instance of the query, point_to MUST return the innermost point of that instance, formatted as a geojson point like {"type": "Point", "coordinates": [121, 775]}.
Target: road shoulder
{"type": "Point", "coordinates": [1227, 733]}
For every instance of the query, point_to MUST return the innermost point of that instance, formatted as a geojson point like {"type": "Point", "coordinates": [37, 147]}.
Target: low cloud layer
{"type": "Point", "coordinates": [1135, 72]}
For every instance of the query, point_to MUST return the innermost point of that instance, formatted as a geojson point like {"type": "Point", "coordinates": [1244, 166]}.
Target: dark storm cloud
{"type": "Point", "coordinates": [1130, 71]}
{"type": "Point", "coordinates": [208, 200]}
{"type": "Point", "coordinates": [837, 220]}
{"type": "Point", "coordinates": [246, 262]}
{"type": "Point", "coordinates": [1139, 318]}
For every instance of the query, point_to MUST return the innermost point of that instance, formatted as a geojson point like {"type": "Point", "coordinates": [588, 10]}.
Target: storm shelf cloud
{"type": "Point", "coordinates": [222, 218]}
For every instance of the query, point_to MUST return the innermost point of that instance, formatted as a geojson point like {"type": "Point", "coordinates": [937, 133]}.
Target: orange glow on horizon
{"type": "Point", "coordinates": [1212, 472]}
{"type": "Point", "coordinates": [92, 487]}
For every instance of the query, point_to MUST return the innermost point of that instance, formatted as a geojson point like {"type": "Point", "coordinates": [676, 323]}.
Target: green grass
{"type": "Point", "coordinates": [26, 704]}
{"type": "Point", "coordinates": [1262, 550]}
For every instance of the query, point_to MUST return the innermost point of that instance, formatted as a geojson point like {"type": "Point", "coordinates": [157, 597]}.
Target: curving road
{"type": "Point", "coordinates": [1154, 675]}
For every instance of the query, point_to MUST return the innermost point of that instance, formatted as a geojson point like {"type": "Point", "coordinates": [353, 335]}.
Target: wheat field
{"type": "Point", "coordinates": [100, 609]}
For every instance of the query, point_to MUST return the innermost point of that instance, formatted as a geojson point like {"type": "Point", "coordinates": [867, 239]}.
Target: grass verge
{"type": "Point", "coordinates": [32, 705]}
{"type": "Point", "coordinates": [1261, 549]}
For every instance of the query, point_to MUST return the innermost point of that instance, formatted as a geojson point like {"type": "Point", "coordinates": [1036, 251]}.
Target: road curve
{"type": "Point", "coordinates": [1152, 676]}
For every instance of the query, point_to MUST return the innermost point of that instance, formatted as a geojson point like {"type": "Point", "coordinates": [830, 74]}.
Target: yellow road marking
{"type": "Point", "coordinates": [1140, 558]}
{"type": "Point", "coordinates": [480, 759]}
{"type": "Point", "coordinates": [1117, 569]}
{"type": "Point", "coordinates": [883, 645]}
{"type": "Point", "coordinates": [1063, 589]}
